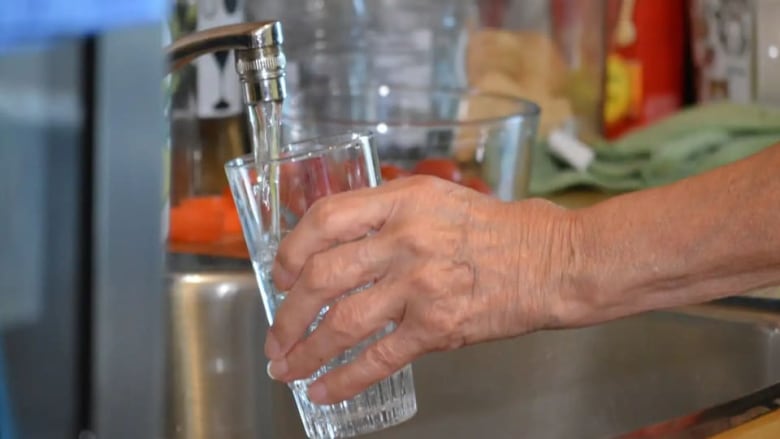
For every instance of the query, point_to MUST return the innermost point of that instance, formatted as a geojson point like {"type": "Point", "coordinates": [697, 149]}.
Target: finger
{"type": "Point", "coordinates": [346, 324]}
{"type": "Point", "coordinates": [377, 362]}
{"type": "Point", "coordinates": [326, 276]}
{"type": "Point", "coordinates": [341, 217]}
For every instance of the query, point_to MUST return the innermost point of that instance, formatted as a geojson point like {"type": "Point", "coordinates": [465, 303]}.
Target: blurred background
{"type": "Point", "coordinates": [127, 306]}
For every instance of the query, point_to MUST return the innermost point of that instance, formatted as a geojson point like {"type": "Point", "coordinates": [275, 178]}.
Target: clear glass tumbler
{"type": "Point", "coordinates": [271, 198]}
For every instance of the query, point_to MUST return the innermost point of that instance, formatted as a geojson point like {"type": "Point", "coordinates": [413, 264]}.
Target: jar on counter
{"type": "Point", "coordinates": [645, 64]}
{"type": "Point", "coordinates": [736, 48]}
{"type": "Point", "coordinates": [549, 51]}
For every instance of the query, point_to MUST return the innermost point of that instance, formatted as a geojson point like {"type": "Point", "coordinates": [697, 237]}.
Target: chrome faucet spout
{"type": "Point", "coordinates": [260, 59]}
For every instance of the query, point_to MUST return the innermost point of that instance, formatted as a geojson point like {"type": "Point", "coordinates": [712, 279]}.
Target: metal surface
{"type": "Point", "coordinates": [260, 60]}
{"type": "Point", "coordinates": [592, 383]}
{"type": "Point", "coordinates": [588, 383]}
{"type": "Point", "coordinates": [127, 245]}
{"type": "Point", "coordinates": [42, 241]}
{"type": "Point", "coordinates": [714, 420]}
{"type": "Point", "coordinates": [217, 387]}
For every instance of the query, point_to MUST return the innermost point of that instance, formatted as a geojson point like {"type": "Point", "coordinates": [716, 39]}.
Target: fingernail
{"type": "Point", "coordinates": [318, 393]}
{"type": "Point", "coordinates": [276, 368]}
{"type": "Point", "coordinates": [282, 278]}
{"type": "Point", "coordinates": [272, 347]}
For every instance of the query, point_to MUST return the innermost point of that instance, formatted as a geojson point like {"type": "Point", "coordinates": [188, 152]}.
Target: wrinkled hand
{"type": "Point", "coordinates": [450, 267]}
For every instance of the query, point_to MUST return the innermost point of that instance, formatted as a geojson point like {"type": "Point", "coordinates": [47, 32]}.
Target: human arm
{"type": "Point", "coordinates": [702, 238]}
{"type": "Point", "coordinates": [452, 267]}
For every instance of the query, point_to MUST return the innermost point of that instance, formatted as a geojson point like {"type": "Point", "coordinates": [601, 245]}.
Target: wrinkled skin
{"type": "Point", "coordinates": [450, 266]}
{"type": "Point", "coordinates": [454, 267]}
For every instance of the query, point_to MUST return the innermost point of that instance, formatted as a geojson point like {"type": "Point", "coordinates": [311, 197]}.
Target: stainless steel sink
{"type": "Point", "coordinates": [588, 383]}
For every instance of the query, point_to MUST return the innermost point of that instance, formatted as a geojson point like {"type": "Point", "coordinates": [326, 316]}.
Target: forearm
{"type": "Point", "coordinates": [707, 237]}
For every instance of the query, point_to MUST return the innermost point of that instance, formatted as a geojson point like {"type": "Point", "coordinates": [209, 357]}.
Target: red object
{"type": "Point", "coordinates": [355, 176]}
{"type": "Point", "coordinates": [231, 221]}
{"type": "Point", "coordinates": [227, 195]}
{"type": "Point", "coordinates": [478, 185]}
{"type": "Point", "coordinates": [197, 220]}
{"type": "Point", "coordinates": [492, 12]}
{"type": "Point", "coordinates": [442, 168]}
{"type": "Point", "coordinates": [664, 429]}
{"type": "Point", "coordinates": [644, 74]}
{"type": "Point", "coordinates": [318, 180]}
{"type": "Point", "coordinates": [291, 192]}
{"type": "Point", "coordinates": [391, 172]}
{"type": "Point", "coordinates": [208, 203]}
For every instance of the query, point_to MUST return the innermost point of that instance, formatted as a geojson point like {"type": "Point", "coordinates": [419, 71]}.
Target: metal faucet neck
{"type": "Point", "coordinates": [260, 59]}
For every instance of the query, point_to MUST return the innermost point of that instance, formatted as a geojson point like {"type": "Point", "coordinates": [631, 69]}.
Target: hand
{"type": "Point", "coordinates": [450, 267]}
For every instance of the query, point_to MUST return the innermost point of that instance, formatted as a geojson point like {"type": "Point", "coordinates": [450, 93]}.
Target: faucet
{"type": "Point", "coordinates": [260, 64]}
{"type": "Point", "coordinates": [260, 60]}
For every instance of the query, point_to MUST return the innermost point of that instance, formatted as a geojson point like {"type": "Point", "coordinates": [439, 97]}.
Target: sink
{"type": "Point", "coordinates": [595, 382]}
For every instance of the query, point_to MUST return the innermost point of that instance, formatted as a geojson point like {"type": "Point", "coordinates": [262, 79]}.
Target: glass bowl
{"type": "Point", "coordinates": [480, 140]}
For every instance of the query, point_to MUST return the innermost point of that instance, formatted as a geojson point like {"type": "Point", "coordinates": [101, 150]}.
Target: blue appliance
{"type": "Point", "coordinates": [6, 420]}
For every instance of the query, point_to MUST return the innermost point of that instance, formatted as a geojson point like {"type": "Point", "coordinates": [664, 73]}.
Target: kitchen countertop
{"type": "Point", "coordinates": [753, 416]}
{"type": "Point", "coordinates": [764, 427]}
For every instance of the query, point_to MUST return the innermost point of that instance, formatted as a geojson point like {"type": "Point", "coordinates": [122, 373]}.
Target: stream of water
{"type": "Point", "coordinates": [266, 121]}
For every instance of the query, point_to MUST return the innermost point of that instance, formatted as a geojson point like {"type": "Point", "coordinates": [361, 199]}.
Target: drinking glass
{"type": "Point", "coordinates": [271, 197]}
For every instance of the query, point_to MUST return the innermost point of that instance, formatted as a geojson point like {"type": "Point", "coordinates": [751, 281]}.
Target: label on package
{"type": "Point", "coordinates": [218, 85]}
{"type": "Point", "coordinates": [723, 46]}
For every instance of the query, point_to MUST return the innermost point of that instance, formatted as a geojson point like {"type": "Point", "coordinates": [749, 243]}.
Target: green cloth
{"type": "Point", "coordinates": [690, 142]}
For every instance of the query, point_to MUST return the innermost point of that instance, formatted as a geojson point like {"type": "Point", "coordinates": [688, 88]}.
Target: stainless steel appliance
{"type": "Point", "coordinates": [84, 202]}
{"type": "Point", "coordinates": [597, 382]}
{"type": "Point", "coordinates": [81, 259]}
